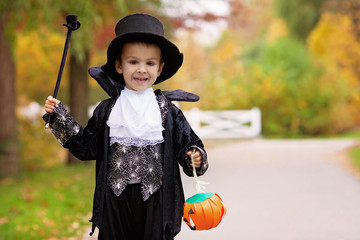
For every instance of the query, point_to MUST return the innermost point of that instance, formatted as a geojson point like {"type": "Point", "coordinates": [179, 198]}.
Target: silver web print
{"type": "Point", "coordinates": [135, 164]}
{"type": "Point", "coordinates": [62, 124]}
{"type": "Point", "coordinates": [138, 163]}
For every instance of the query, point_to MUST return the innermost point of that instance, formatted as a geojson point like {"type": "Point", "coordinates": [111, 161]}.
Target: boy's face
{"type": "Point", "coordinates": [140, 64]}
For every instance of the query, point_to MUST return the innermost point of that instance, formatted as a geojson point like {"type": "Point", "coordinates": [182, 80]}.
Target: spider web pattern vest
{"type": "Point", "coordinates": [137, 164]}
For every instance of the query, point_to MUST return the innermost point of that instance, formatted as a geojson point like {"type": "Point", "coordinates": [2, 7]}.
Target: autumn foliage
{"type": "Point", "coordinates": [302, 88]}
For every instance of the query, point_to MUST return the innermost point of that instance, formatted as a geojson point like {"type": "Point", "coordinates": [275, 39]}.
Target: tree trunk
{"type": "Point", "coordinates": [9, 162]}
{"type": "Point", "coordinates": [78, 93]}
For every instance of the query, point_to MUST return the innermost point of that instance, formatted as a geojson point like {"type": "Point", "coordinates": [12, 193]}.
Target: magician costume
{"type": "Point", "coordinates": [138, 190]}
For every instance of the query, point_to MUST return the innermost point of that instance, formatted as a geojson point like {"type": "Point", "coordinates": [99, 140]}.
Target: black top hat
{"type": "Point", "coordinates": [144, 28]}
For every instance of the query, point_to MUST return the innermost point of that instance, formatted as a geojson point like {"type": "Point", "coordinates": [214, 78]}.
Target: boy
{"type": "Point", "coordinates": [138, 137]}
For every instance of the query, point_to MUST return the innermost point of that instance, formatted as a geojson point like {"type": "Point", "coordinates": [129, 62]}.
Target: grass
{"type": "Point", "coordinates": [48, 204]}
{"type": "Point", "coordinates": [355, 157]}
{"type": "Point", "coordinates": [354, 133]}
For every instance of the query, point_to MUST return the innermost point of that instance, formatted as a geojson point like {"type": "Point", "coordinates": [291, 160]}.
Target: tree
{"type": "Point", "coordinates": [9, 162]}
{"type": "Point", "coordinates": [301, 15]}
{"type": "Point", "coordinates": [350, 8]}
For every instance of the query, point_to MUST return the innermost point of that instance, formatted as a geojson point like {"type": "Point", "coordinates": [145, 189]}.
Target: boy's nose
{"type": "Point", "coordinates": [141, 69]}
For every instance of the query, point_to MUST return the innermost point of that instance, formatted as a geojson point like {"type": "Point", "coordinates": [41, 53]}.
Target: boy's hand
{"type": "Point", "coordinates": [50, 104]}
{"type": "Point", "coordinates": [197, 158]}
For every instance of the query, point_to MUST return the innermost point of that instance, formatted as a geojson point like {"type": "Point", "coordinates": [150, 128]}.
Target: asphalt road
{"type": "Point", "coordinates": [282, 190]}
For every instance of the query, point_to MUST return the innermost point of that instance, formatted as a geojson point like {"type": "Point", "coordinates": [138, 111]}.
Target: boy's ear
{"type": "Point", "coordinates": [161, 68]}
{"type": "Point", "coordinates": [118, 67]}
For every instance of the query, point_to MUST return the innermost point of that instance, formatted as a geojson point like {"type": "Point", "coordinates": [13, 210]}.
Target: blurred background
{"type": "Point", "coordinates": [296, 60]}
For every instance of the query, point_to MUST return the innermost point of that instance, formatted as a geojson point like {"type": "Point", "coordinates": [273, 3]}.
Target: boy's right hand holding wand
{"type": "Point", "coordinates": [58, 119]}
{"type": "Point", "coordinates": [50, 104]}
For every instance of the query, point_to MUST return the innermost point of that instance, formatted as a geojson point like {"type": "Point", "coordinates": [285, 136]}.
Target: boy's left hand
{"type": "Point", "coordinates": [197, 158]}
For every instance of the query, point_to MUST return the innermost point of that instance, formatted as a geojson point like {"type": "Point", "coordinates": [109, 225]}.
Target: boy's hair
{"type": "Point", "coordinates": [147, 42]}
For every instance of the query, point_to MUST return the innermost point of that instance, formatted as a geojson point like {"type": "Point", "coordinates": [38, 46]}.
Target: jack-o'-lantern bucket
{"type": "Point", "coordinates": [204, 211]}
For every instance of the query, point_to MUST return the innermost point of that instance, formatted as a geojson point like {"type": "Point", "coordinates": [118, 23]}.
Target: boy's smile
{"type": "Point", "coordinates": [140, 64]}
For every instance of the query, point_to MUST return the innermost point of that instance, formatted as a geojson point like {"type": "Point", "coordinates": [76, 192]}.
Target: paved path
{"type": "Point", "coordinates": [282, 190]}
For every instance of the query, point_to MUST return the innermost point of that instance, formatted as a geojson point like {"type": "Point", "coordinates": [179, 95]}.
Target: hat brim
{"type": "Point", "coordinates": [170, 53]}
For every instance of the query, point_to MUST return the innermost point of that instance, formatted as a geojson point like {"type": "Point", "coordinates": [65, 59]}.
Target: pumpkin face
{"type": "Point", "coordinates": [203, 211]}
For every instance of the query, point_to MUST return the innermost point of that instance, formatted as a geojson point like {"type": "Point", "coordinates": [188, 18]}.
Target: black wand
{"type": "Point", "coordinates": [72, 24]}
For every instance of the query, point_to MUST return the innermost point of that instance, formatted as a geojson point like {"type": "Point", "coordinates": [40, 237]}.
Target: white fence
{"type": "Point", "coordinates": [206, 124]}
{"type": "Point", "coordinates": [225, 124]}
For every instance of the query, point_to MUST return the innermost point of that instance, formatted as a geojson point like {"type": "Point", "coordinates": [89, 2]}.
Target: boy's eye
{"type": "Point", "coordinates": [151, 63]}
{"type": "Point", "coordinates": [132, 62]}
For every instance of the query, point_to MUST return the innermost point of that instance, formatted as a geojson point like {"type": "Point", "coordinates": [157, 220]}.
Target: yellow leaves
{"type": "Point", "coordinates": [27, 194]}
{"type": "Point", "coordinates": [276, 30]}
{"type": "Point", "coordinates": [3, 220]}
{"type": "Point", "coordinates": [322, 31]}
{"type": "Point", "coordinates": [38, 56]}
{"type": "Point", "coordinates": [228, 51]}
{"type": "Point", "coordinates": [334, 39]}
{"type": "Point", "coordinates": [302, 104]}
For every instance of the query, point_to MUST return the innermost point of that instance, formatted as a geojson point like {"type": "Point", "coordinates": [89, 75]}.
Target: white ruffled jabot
{"type": "Point", "coordinates": [135, 119]}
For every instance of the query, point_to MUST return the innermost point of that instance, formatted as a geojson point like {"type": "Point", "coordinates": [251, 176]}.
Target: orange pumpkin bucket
{"type": "Point", "coordinates": [203, 211]}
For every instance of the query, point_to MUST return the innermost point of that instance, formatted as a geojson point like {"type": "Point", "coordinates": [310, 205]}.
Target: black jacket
{"type": "Point", "coordinates": [92, 142]}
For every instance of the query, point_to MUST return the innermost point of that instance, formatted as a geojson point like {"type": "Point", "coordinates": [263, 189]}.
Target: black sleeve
{"type": "Point", "coordinates": [82, 142]}
{"type": "Point", "coordinates": [185, 139]}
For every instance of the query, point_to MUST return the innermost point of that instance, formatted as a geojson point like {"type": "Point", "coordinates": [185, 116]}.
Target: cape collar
{"type": "Point", "coordinates": [113, 88]}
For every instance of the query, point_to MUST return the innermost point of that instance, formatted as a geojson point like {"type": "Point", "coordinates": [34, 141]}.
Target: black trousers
{"type": "Point", "coordinates": [128, 217]}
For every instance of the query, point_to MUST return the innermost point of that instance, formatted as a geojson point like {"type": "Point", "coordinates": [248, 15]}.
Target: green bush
{"type": "Point", "coordinates": [39, 149]}
{"type": "Point", "coordinates": [296, 95]}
